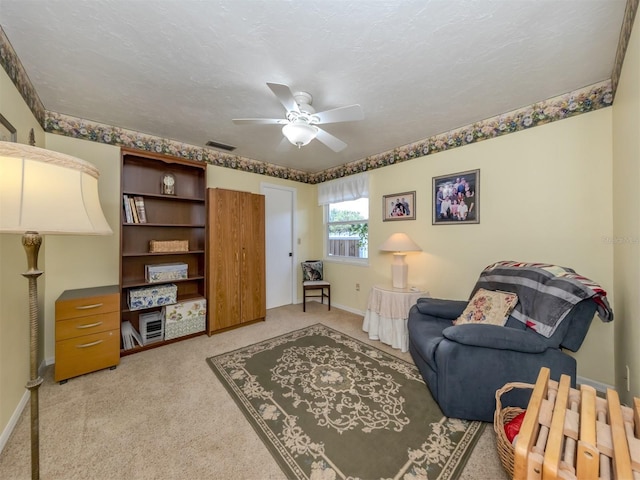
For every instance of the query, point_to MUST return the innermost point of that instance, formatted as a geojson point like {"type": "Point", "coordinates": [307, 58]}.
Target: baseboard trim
{"type": "Point", "coordinates": [599, 386]}
{"type": "Point", "coordinates": [337, 305]}
{"type": "Point", "coordinates": [348, 309]}
{"type": "Point", "coordinates": [13, 420]}
{"type": "Point", "coordinates": [8, 430]}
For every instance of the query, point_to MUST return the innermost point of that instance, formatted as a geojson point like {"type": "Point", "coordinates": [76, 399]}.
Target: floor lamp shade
{"type": "Point", "coordinates": [48, 192]}
{"type": "Point", "coordinates": [45, 192]}
{"type": "Point", "coordinates": [399, 243]}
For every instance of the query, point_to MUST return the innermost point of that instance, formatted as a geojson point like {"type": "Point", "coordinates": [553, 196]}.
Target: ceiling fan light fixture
{"type": "Point", "coordinates": [299, 134]}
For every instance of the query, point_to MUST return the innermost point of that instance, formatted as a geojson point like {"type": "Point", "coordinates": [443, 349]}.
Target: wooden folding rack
{"type": "Point", "coordinates": [574, 434]}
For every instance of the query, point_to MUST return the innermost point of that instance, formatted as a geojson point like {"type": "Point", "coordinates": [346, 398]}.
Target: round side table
{"type": "Point", "coordinates": [387, 313]}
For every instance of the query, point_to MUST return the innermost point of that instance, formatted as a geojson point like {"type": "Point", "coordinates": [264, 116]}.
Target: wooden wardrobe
{"type": "Point", "coordinates": [236, 263]}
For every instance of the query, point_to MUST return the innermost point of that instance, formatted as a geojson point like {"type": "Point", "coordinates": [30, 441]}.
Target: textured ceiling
{"type": "Point", "coordinates": [183, 69]}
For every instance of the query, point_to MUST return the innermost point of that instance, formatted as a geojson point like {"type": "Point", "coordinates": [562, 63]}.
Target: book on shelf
{"type": "Point", "coordinates": [134, 212]}
{"type": "Point", "coordinates": [140, 209]}
{"type": "Point", "coordinates": [128, 216]}
{"type": "Point", "coordinates": [130, 336]}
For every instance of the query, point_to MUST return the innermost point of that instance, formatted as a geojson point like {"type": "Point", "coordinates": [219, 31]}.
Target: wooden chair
{"type": "Point", "coordinates": [313, 281]}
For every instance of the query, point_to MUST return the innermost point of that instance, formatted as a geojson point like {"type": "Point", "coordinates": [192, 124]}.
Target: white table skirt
{"type": "Point", "coordinates": [386, 315]}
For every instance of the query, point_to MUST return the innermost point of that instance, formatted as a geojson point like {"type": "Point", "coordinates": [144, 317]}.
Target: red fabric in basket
{"type": "Point", "coordinates": [512, 428]}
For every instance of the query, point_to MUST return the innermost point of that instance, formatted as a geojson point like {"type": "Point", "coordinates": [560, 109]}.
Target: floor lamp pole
{"type": "Point", "coordinates": [31, 242]}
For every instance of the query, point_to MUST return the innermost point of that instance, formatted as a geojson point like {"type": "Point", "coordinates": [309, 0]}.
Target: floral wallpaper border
{"type": "Point", "coordinates": [564, 106]}
{"type": "Point", "coordinates": [574, 103]}
{"type": "Point", "coordinates": [584, 100]}
{"type": "Point", "coordinates": [13, 66]}
{"type": "Point", "coordinates": [623, 42]}
{"type": "Point", "coordinates": [99, 132]}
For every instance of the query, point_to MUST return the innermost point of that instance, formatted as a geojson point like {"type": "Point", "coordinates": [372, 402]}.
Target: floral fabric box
{"type": "Point", "coordinates": [166, 272]}
{"type": "Point", "coordinates": [185, 318]}
{"type": "Point", "coordinates": [156, 296]}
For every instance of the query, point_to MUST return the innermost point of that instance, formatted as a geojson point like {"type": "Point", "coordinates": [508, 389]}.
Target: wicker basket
{"type": "Point", "coordinates": [502, 416]}
{"type": "Point", "coordinates": [168, 246]}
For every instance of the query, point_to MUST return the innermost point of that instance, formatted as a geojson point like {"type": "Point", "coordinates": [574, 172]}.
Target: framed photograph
{"type": "Point", "coordinates": [7, 132]}
{"type": "Point", "coordinates": [456, 198]}
{"type": "Point", "coordinates": [399, 206]}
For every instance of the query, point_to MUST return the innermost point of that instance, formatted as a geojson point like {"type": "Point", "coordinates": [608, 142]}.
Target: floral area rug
{"type": "Point", "coordinates": [331, 407]}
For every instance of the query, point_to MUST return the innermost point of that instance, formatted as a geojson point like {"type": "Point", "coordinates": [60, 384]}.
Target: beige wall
{"type": "Point", "coordinates": [545, 197]}
{"type": "Point", "coordinates": [14, 312]}
{"type": "Point", "coordinates": [626, 220]}
{"type": "Point", "coordinates": [74, 261]}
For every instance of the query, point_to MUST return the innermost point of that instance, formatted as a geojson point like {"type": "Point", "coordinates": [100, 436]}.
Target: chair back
{"type": "Point", "coordinates": [312, 270]}
{"type": "Point", "coordinates": [572, 329]}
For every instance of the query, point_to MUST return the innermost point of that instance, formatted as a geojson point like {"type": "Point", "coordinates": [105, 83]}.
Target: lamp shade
{"type": "Point", "coordinates": [299, 133]}
{"type": "Point", "coordinates": [400, 242]}
{"type": "Point", "coordinates": [48, 192]}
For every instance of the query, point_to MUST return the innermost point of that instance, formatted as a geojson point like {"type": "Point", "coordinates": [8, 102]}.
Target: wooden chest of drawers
{"type": "Point", "coordinates": [87, 331]}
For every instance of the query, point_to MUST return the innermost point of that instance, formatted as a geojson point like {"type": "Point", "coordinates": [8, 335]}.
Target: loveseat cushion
{"type": "Point", "coordinates": [496, 337]}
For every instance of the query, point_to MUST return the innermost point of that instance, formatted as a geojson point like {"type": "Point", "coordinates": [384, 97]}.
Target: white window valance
{"type": "Point", "coordinates": [344, 189]}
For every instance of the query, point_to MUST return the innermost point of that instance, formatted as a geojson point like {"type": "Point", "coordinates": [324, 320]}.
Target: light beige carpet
{"type": "Point", "coordinates": [162, 415]}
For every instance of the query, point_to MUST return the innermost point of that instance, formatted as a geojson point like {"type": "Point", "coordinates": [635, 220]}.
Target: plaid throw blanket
{"type": "Point", "coordinates": [546, 293]}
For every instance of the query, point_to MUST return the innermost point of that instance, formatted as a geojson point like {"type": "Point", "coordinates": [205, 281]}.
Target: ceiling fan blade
{"type": "Point", "coordinates": [284, 94]}
{"type": "Point", "coordinates": [334, 143]}
{"type": "Point", "coordinates": [284, 145]}
{"type": "Point", "coordinates": [349, 113]}
{"type": "Point", "coordinates": [259, 121]}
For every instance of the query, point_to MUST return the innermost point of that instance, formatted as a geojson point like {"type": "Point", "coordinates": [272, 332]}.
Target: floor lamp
{"type": "Point", "coordinates": [45, 192]}
{"type": "Point", "coordinates": [399, 244]}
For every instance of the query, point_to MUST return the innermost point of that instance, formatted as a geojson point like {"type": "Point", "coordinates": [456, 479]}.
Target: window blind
{"type": "Point", "coordinates": [344, 189]}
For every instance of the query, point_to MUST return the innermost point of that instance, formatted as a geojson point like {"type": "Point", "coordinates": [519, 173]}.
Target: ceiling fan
{"type": "Point", "coordinates": [301, 120]}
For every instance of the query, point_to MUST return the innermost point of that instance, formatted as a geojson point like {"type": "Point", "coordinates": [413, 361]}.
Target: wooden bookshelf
{"type": "Point", "coordinates": [180, 216]}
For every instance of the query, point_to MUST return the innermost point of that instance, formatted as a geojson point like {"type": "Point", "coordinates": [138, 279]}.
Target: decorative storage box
{"type": "Point", "coordinates": [185, 318]}
{"type": "Point", "coordinates": [148, 297]}
{"type": "Point", "coordinates": [166, 272]}
{"type": "Point", "coordinates": [159, 246]}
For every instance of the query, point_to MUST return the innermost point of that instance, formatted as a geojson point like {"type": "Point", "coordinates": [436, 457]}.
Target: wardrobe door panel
{"type": "Point", "coordinates": [253, 258]}
{"type": "Point", "coordinates": [224, 267]}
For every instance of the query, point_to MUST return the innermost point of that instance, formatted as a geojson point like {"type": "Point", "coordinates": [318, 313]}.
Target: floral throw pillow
{"type": "Point", "coordinates": [486, 306]}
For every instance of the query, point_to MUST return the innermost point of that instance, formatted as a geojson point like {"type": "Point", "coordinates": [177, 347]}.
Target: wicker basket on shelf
{"type": "Point", "coordinates": [168, 246]}
{"type": "Point", "coordinates": [502, 416]}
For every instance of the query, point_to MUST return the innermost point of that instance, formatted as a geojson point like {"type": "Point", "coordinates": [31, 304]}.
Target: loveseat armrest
{"type": "Point", "coordinates": [436, 307]}
{"type": "Point", "coordinates": [495, 336]}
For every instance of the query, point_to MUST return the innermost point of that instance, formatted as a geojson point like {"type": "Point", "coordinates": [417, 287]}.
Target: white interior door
{"type": "Point", "coordinates": [279, 226]}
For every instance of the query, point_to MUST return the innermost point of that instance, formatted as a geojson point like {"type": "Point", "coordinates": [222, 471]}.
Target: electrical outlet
{"type": "Point", "coordinates": [357, 287]}
{"type": "Point", "coordinates": [628, 378]}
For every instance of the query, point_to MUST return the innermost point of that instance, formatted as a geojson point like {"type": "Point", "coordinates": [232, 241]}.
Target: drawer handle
{"type": "Point", "coordinates": [89, 325]}
{"type": "Point", "coordinates": [88, 307]}
{"type": "Point", "coordinates": [97, 342]}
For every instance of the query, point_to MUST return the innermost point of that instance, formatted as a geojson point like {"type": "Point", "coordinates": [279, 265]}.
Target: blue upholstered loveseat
{"type": "Point", "coordinates": [464, 365]}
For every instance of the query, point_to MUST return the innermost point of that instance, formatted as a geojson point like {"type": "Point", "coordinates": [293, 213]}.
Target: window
{"type": "Point", "coordinates": [348, 229]}
{"type": "Point", "coordinates": [346, 203]}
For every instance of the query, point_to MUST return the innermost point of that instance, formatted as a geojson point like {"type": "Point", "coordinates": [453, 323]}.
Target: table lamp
{"type": "Point", "coordinates": [45, 192]}
{"type": "Point", "coordinates": [399, 244]}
